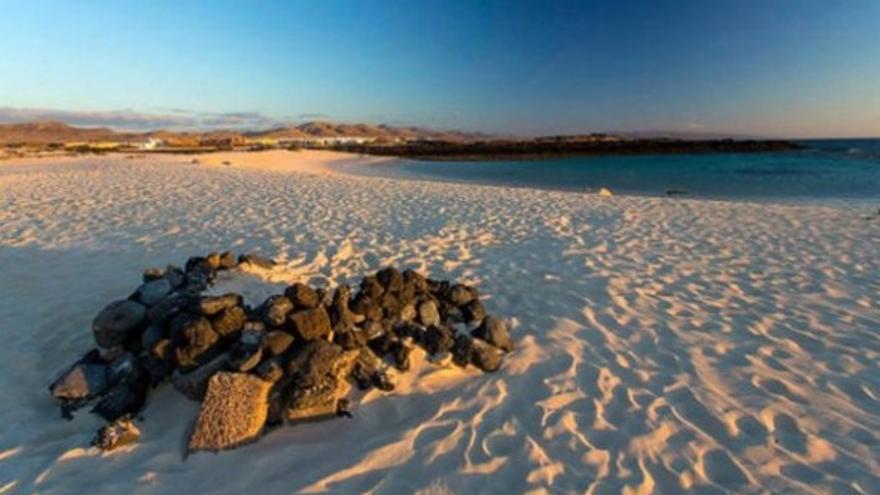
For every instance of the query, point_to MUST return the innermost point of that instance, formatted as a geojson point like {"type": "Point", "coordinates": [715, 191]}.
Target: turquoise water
{"type": "Point", "coordinates": [827, 170]}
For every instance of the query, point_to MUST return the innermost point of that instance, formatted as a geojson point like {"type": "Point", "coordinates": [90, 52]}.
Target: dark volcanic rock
{"type": "Point", "coordinates": [302, 296]}
{"type": "Point", "coordinates": [213, 260]}
{"type": "Point", "coordinates": [117, 434]}
{"type": "Point", "coordinates": [194, 336]}
{"type": "Point", "coordinates": [439, 339]}
{"type": "Point", "coordinates": [318, 370]}
{"type": "Point", "coordinates": [460, 294]}
{"type": "Point", "coordinates": [175, 276]}
{"type": "Point", "coordinates": [245, 358]}
{"type": "Point", "coordinates": [82, 381]}
{"type": "Point", "coordinates": [275, 310]}
{"type": "Point", "coordinates": [391, 306]}
{"type": "Point", "coordinates": [429, 315]}
{"type": "Point", "coordinates": [151, 274]}
{"type": "Point", "coordinates": [485, 356]}
{"type": "Point", "coordinates": [391, 279]}
{"type": "Point", "coordinates": [415, 280]}
{"type": "Point", "coordinates": [117, 321]}
{"type": "Point", "coordinates": [211, 305]}
{"type": "Point", "coordinates": [227, 261]}
{"type": "Point", "coordinates": [197, 264]}
{"type": "Point", "coordinates": [341, 317]}
{"type": "Point", "coordinates": [462, 350]}
{"type": "Point", "coordinates": [154, 291]}
{"type": "Point", "coordinates": [151, 335]}
{"type": "Point", "coordinates": [125, 398]}
{"type": "Point", "coordinates": [257, 260]}
{"type": "Point", "coordinates": [229, 321]}
{"type": "Point", "coordinates": [364, 305]}
{"type": "Point", "coordinates": [169, 307]}
{"type": "Point", "coordinates": [473, 312]}
{"type": "Point", "coordinates": [494, 331]}
{"type": "Point", "coordinates": [400, 351]}
{"type": "Point", "coordinates": [372, 288]}
{"type": "Point", "coordinates": [270, 370]}
{"type": "Point", "coordinates": [277, 341]}
{"type": "Point", "coordinates": [311, 324]}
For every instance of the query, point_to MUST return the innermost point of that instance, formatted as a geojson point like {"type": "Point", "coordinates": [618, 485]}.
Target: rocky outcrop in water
{"type": "Point", "coordinates": [290, 359]}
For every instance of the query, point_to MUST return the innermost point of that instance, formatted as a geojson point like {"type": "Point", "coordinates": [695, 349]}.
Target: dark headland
{"type": "Point", "coordinates": [561, 147]}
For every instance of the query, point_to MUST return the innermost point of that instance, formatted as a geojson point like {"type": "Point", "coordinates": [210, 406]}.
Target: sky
{"type": "Point", "coordinates": [780, 68]}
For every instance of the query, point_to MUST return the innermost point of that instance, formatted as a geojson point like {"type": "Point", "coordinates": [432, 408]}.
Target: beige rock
{"type": "Point", "coordinates": [233, 412]}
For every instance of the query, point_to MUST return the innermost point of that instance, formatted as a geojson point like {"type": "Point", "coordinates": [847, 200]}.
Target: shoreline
{"type": "Point", "coordinates": [330, 162]}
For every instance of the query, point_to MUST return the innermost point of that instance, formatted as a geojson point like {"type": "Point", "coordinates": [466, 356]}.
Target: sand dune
{"type": "Point", "coordinates": [664, 346]}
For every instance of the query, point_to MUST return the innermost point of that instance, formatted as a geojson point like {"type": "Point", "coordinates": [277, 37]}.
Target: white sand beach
{"type": "Point", "coordinates": [663, 345]}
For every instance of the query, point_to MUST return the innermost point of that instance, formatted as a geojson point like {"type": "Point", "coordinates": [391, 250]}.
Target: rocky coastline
{"type": "Point", "coordinates": [544, 148]}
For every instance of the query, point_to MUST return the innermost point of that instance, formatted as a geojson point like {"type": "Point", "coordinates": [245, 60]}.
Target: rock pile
{"type": "Point", "coordinates": [288, 360]}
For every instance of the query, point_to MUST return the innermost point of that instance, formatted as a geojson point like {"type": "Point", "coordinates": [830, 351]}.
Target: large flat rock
{"type": "Point", "coordinates": [233, 412]}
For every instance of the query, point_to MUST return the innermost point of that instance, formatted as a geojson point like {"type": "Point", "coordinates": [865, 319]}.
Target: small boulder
{"type": "Point", "coordinates": [169, 307]}
{"type": "Point", "coordinates": [439, 339]}
{"type": "Point", "coordinates": [429, 315]}
{"type": "Point", "coordinates": [462, 350]}
{"type": "Point", "coordinates": [318, 371]}
{"type": "Point", "coordinates": [125, 398]}
{"type": "Point", "coordinates": [213, 260]}
{"type": "Point", "coordinates": [117, 434]}
{"type": "Point", "coordinates": [227, 261]}
{"type": "Point", "coordinates": [459, 294]}
{"type": "Point", "coordinates": [390, 278]}
{"type": "Point", "coordinates": [211, 305]}
{"type": "Point", "coordinates": [194, 336]}
{"type": "Point", "coordinates": [311, 324]}
{"type": "Point", "coordinates": [473, 312]}
{"type": "Point", "coordinates": [277, 342]}
{"type": "Point", "coordinates": [229, 321]}
{"type": "Point", "coordinates": [151, 274]}
{"type": "Point", "coordinates": [275, 310]}
{"type": "Point", "coordinates": [154, 291]}
{"type": "Point", "coordinates": [153, 334]}
{"type": "Point", "coordinates": [257, 261]}
{"type": "Point", "coordinates": [485, 356]}
{"type": "Point", "coordinates": [415, 280]}
{"type": "Point", "coordinates": [244, 358]}
{"type": "Point", "coordinates": [117, 321]}
{"type": "Point", "coordinates": [302, 296]}
{"type": "Point", "coordinates": [494, 331]}
{"type": "Point", "coordinates": [81, 382]}
{"type": "Point", "coordinates": [372, 288]}
{"type": "Point", "coordinates": [270, 370]}
{"type": "Point", "coordinates": [233, 412]}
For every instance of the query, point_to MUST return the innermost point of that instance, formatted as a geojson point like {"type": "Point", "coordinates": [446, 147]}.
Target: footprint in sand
{"type": "Point", "coordinates": [722, 470]}
{"type": "Point", "coordinates": [751, 431]}
{"type": "Point", "coordinates": [787, 433]}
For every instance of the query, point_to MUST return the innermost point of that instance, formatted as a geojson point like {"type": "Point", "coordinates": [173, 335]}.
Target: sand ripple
{"type": "Point", "coordinates": [663, 345]}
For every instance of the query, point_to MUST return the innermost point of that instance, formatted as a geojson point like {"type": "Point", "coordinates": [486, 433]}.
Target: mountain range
{"type": "Point", "coordinates": [46, 132]}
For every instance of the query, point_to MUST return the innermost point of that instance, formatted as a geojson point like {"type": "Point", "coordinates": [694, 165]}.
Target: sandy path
{"type": "Point", "coordinates": [663, 345]}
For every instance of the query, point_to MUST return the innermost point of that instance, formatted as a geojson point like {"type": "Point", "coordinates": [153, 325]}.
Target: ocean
{"type": "Point", "coordinates": [827, 170]}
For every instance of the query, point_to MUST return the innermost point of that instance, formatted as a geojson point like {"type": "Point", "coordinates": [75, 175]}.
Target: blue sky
{"type": "Point", "coordinates": [764, 67]}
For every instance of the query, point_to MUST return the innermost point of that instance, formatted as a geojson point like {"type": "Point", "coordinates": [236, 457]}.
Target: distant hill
{"type": "Point", "coordinates": [42, 133]}
{"type": "Point", "coordinates": [54, 132]}
{"type": "Point", "coordinates": [332, 129]}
